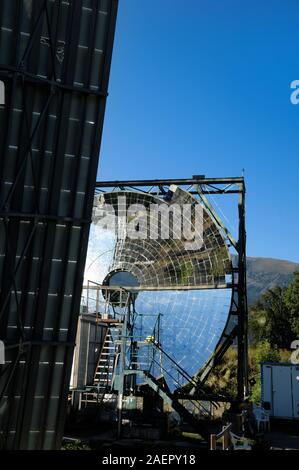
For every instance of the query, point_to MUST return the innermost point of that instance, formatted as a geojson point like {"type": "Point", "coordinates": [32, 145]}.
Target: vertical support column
{"type": "Point", "coordinates": [122, 367]}
{"type": "Point", "coordinates": [87, 355]}
{"type": "Point", "coordinates": [242, 301]}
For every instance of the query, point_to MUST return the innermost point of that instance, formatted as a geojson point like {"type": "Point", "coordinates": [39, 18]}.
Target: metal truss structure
{"type": "Point", "coordinates": [235, 331]}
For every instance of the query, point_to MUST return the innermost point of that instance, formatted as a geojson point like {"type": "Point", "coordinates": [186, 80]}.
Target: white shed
{"type": "Point", "coordinates": [280, 389]}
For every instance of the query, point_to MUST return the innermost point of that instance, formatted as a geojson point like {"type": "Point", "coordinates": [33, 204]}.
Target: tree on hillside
{"type": "Point", "coordinates": [270, 319]}
{"type": "Point", "coordinates": [292, 302]}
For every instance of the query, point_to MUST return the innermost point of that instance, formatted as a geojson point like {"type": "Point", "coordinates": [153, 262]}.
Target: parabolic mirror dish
{"type": "Point", "coordinates": [177, 256]}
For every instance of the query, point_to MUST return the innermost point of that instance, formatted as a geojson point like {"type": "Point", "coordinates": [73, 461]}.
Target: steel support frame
{"type": "Point", "coordinates": [200, 187]}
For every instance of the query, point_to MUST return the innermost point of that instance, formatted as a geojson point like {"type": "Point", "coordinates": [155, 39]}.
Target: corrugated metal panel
{"type": "Point", "coordinates": [54, 60]}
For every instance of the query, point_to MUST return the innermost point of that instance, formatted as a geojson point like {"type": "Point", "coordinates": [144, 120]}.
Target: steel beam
{"type": "Point", "coordinates": [167, 182]}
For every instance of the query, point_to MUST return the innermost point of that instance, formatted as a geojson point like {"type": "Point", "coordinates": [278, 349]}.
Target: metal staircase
{"type": "Point", "coordinates": [105, 370]}
{"type": "Point", "coordinates": [131, 356]}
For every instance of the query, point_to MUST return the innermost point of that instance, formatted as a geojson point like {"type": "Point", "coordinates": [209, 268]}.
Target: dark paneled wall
{"type": "Point", "coordinates": [55, 61]}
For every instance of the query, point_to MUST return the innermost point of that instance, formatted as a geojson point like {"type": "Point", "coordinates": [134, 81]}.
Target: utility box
{"type": "Point", "coordinates": [280, 389]}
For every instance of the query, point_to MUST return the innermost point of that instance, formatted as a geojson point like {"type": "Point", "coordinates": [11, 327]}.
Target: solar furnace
{"type": "Point", "coordinates": [137, 241]}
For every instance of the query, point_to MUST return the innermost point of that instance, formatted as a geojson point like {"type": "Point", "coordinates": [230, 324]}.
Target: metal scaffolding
{"type": "Point", "coordinates": [236, 327]}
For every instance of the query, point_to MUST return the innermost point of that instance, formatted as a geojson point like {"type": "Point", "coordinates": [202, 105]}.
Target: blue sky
{"type": "Point", "coordinates": [203, 87]}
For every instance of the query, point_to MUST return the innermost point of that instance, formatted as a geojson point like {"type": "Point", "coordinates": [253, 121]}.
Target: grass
{"type": "Point", "coordinates": [192, 436]}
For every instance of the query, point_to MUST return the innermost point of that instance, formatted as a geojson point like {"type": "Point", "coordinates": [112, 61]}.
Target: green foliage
{"type": "Point", "coordinates": [275, 316]}
{"type": "Point", "coordinates": [270, 319]}
{"type": "Point", "coordinates": [266, 353]}
{"type": "Point", "coordinates": [273, 325]}
{"type": "Point", "coordinates": [263, 352]}
{"type": "Point", "coordinates": [292, 302]}
{"type": "Point", "coordinates": [256, 392]}
{"type": "Point", "coordinates": [75, 445]}
{"type": "Point", "coordinates": [224, 376]}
